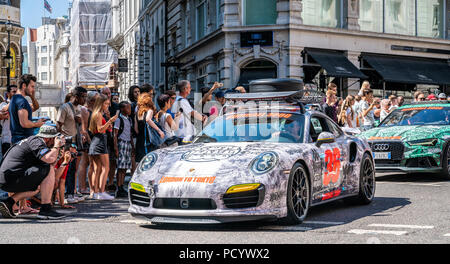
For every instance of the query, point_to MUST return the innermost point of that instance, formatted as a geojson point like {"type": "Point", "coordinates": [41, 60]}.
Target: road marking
{"type": "Point", "coordinates": [323, 223]}
{"type": "Point", "coordinates": [287, 228]}
{"type": "Point", "coordinates": [382, 232]}
{"type": "Point", "coordinates": [402, 226]}
{"type": "Point", "coordinates": [413, 184]}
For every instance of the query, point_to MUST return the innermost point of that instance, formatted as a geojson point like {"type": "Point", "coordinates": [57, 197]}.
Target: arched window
{"type": "Point", "coordinates": [260, 69]}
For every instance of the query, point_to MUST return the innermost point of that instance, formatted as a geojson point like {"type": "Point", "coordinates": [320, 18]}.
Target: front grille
{"type": "Point", "coordinates": [396, 148]}
{"type": "Point", "coordinates": [424, 162]}
{"type": "Point", "coordinates": [184, 204]}
{"type": "Point", "coordinates": [244, 199]}
{"type": "Point", "coordinates": [139, 198]}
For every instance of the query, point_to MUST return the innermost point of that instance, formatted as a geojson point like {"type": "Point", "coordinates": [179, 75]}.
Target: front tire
{"type": "Point", "coordinates": [445, 174]}
{"type": "Point", "coordinates": [298, 196]}
{"type": "Point", "coordinates": [367, 182]}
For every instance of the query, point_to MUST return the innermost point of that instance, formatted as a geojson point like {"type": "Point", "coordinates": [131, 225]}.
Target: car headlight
{"type": "Point", "coordinates": [423, 142]}
{"type": "Point", "coordinates": [148, 162]}
{"type": "Point", "coordinates": [264, 163]}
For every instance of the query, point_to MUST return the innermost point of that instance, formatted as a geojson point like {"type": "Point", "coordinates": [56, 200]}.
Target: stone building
{"type": "Point", "coordinates": [10, 14]}
{"type": "Point", "coordinates": [398, 45]}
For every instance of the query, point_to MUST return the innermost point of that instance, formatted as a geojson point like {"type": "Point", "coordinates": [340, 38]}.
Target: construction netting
{"type": "Point", "coordinates": [91, 27]}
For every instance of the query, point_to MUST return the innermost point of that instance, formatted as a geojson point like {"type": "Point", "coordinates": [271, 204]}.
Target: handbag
{"type": "Point", "coordinates": [155, 141]}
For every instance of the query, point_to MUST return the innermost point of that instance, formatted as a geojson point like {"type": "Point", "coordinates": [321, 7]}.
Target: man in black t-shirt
{"type": "Point", "coordinates": [27, 168]}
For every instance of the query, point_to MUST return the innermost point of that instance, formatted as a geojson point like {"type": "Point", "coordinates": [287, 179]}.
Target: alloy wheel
{"type": "Point", "coordinates": [368, 179]}
{"type": "Point", "coordinates": [300, 193]}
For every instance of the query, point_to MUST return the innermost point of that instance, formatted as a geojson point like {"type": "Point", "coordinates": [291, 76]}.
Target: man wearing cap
{"type": "Point", "coordinates": [431, 97]}
{"type": "Point", "coordinates": [27, 169]}
{"type": "Point", "coordinates": [442, 97]}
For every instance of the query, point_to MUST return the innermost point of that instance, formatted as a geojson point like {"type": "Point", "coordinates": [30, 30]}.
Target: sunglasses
{"type": "Point", "coordinates": [421, 99]}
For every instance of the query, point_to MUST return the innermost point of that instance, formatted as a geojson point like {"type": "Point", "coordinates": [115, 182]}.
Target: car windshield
{"type": "Point", "coordinates": [426, 115]}
{"type": "Point", "coordinates": [255, 127]}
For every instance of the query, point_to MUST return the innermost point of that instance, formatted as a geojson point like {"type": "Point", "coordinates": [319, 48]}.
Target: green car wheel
{"type": "Point", "coordinates": [446, 163]}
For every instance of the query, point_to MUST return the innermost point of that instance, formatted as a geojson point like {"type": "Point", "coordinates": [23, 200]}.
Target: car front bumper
{"type": "Point", "coordinates": [217, 216]}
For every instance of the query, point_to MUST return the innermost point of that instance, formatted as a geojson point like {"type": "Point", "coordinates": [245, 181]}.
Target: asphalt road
{"type": "Point", "coordinates": [406, 209]}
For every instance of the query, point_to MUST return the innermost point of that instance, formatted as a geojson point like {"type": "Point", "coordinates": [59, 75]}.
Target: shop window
{"type": "Point", "coordinates": [324, 13]}
{"type": "Point", "coordinates": [260, 12]}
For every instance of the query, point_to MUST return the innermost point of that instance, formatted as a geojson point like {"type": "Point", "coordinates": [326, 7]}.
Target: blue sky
{"type": "Point", "coordinates": [32, 12]}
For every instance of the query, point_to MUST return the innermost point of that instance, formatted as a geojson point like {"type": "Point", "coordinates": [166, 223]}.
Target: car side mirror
{"type": "Point", "coordinates": [325, 138]}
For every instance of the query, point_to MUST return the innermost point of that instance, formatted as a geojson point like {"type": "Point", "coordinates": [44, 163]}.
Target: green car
{"type": "Point", "coordinates": [413, 139]}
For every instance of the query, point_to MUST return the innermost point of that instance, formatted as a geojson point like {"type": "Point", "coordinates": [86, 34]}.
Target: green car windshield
{"type": "Point", "coordinates": [255, 127]}
{"type": "Point", "coordinates": [423, 115]}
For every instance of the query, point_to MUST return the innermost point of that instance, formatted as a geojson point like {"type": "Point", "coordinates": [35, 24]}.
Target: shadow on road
{"type": "Point", "coordinates": [337, 213]}
{"type": "Point", "coordinates": [413, 178]}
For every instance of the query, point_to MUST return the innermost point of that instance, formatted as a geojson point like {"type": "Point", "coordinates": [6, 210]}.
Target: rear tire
{"type": "Point", "coordinates": [298, 196]}
{"type": "Point", "coordinates": [445, 174]}
{"type": "Point", "coordinates": [366, 183]}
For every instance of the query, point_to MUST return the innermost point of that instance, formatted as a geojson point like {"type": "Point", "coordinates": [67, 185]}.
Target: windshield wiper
{"type": "Point", "coordinates": [206, 138]}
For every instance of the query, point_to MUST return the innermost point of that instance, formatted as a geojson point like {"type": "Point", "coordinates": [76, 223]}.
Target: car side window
{"type": "Point", "coordinates": [334, 129]}
{"type": "Point", "coordinates": [317, 126]}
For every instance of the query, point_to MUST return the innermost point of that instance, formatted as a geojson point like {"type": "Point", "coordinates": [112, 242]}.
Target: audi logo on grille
{"type": "Point", "coordinates": [380, 147]}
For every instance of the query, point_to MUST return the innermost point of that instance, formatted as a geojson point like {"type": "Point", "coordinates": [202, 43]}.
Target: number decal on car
{"type": "Point", "coordinates": [332, 165]}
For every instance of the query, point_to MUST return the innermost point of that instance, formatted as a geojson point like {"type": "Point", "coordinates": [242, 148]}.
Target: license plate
{"type": "Point", "coordinates": [382, 155]}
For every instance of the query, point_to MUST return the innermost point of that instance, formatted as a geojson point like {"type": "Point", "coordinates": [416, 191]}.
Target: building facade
{"type": "Point", "coordinates": [90, 55]}
{"type": "Point", "coordinates": [10, 22]}
{"type": "Point", "coordinates": [392, 43]}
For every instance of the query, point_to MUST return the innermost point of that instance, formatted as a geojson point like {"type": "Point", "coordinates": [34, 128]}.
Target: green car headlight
{"type": "Point", "coordinates": [148, 162]}
{"type": "Point", "coordinates": [264, 162]}
{"type": "Point", "coordinates": [429, 142]}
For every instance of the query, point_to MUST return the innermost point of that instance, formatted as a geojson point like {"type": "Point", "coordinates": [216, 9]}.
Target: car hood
{"type": "Point", "coordinates": [404, 133]}
{"type": "Point", "coordinates": [211, 158]}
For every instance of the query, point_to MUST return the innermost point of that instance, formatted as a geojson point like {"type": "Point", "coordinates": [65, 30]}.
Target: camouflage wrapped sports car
{"type": "Point", "coordinates": [255, 165]}
{"type": "Point", "coordinates": [413, 139]}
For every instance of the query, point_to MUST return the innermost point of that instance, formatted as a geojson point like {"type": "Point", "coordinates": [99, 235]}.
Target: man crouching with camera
{"type": "Point", "coordinates": [27, 168]}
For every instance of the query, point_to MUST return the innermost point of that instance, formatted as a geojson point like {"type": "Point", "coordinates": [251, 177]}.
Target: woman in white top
{"type": "Point", "coordinates": [350, 113]}
{"type": "Point", "coordinates": [165, 119]}
{"type": "Point", "coordinates": [385, 106]}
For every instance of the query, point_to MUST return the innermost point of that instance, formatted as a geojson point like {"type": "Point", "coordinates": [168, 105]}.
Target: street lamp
{"type": "Point", "coordinates": [8, 57]}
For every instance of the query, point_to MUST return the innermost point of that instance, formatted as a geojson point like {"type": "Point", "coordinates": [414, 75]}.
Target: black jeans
{"type": "Point", "coordinates": [70, 178]}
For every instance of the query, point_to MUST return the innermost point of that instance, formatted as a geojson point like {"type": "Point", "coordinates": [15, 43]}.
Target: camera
{"type": "Point", "coordinates": [68, 143]}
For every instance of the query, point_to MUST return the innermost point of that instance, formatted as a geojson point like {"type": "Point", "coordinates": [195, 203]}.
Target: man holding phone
{"type": "Point", "coordinates": [21, 112]}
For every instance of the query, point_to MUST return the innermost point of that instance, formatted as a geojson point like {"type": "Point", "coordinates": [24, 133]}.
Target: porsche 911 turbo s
{"type": "Point", "coordinates": [272, 163]}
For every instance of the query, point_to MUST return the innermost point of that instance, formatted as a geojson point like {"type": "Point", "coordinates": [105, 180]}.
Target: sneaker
{"type": "Point", "coordinates": [80, 198]}
{"type": "Point", "coordinates": [50, 215]}
{"type": "Point", "coordinates": [5, 211]}
{"type": "Point", "coordinates": [71, 199]}
{"type": "Point", "coordinates": [105, 196]}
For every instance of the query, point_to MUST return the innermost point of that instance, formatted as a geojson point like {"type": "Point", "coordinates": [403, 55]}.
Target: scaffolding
{"type": "Point", "coordinates": [91, 56]}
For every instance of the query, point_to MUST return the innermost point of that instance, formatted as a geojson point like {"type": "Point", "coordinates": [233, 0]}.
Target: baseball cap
{"type": "Point", "coordinates": [48, 131]}
{"type": "Point", "coordinates": [431, 97]}
{"type": "Point", "coordinates": [219, 94]}
{"type": "Point", "coordinates": [442, 96]}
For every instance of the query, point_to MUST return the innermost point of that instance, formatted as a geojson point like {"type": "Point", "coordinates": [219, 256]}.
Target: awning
{"type": "Point", "coordinates": [412, 70]}
{"type": "Point", "coordinates": [335, 63]}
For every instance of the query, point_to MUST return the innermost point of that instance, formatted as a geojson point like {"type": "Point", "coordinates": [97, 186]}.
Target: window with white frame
{"type": "Point", "coordinates": [324, 13]}
{"type": "Point", "coordinates": [259, 12]}
{"type": "Point", "coordinates": [424, 18]}
{"type": "Point", "coordinates": [44, 61]}
{"type": "Point", "coordinates": [44, 76]}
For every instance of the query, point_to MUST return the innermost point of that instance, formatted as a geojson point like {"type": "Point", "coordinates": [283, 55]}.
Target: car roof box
{"type": "Point", "coordinates": [276, 85]}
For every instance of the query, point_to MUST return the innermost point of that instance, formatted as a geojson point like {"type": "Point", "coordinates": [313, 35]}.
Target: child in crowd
{"type": "Point", "coordinates": [123, 146]}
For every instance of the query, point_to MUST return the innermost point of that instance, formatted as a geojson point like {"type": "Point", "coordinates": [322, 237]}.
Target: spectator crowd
{"type": "Point", "coordinates": [96, 139]}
